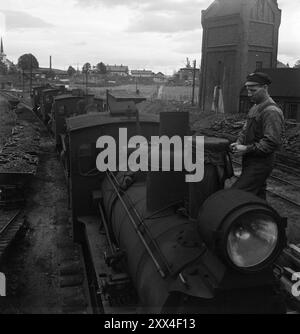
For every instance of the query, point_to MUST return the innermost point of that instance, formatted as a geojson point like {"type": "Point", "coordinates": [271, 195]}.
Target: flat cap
{"type": "Point", "coordinates": [259, 78]}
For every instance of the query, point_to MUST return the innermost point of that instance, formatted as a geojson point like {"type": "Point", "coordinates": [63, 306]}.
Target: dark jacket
{"type": "Point", "coordinates": [264, 128]}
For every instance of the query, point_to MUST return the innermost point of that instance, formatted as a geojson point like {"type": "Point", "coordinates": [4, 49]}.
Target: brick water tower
{"type": "Point", "coordinates": [239, 36]}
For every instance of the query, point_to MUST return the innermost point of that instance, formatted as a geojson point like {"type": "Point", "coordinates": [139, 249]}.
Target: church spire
{"type": "Point", "coordinates": [1, 50]}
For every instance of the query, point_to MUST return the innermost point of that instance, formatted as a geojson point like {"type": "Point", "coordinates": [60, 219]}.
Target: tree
{"type": "Point", "coordinates": [101, 68]}
{"type": "Point", "coordinates": [26, 61]}
{"type": "Point", "coordinates": [86, 67]}
{"type": "Point", "coordinates": [71, 71]}
{"type": "Point", "coordinates": [297, 64]}
{"type": "Point", "coordinates": [13, 69]}
{"type": "Point", "coordinates": [3, 68]}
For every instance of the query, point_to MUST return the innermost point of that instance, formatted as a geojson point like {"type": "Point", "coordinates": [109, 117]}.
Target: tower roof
{"type": "Point", "coordinates": [231, 7]}
{"type": "Point", "coordinates": [224, 7]}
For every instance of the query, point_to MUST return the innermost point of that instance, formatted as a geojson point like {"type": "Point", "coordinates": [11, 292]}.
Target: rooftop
{"type": "Point", "coordinates": [223, 8]}
{"type": "Point", "coordinates": [285, 82]}
{"type": "Point", "coordinates": [117, 68]}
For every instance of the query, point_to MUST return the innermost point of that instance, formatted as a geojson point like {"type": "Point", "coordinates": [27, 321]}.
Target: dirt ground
{"type": "Point", "coordinates": [44, 268]}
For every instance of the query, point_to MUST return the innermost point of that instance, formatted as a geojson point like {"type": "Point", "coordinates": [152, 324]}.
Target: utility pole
{"type": "Point", "coordinates": [30, 87]}
{"type": "Point", "coordinates": [86, 82]}
{"type": "Point", "coordinates": [194, 82]}
{"type": "Point", "coordinates": [23, 82]}
{"type": "Point", "coordinates": [136, 84]}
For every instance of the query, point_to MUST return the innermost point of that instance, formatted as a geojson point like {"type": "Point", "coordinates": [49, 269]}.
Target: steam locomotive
{"type": "Point", "coordinates": [154, 243]}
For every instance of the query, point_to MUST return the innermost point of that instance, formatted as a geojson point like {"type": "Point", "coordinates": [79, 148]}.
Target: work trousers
{"type": "Point", "coordinates": [255, 171]}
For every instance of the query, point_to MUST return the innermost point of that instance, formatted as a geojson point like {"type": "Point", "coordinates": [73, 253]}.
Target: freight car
{"type": "Point", "coordinates": [36, 96]}
{"type": "Point", "coordinates": [156, 244]}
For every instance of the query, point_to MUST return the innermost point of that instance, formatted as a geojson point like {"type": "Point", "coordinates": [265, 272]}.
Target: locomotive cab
{"type": "Point", "coordinates": [47, 97]}
{"type": "Point", "coordinates": [36, 96]}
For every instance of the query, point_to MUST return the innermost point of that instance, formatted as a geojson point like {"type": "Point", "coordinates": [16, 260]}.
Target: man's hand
{"type": "Point", "coordinates": [238, 149]}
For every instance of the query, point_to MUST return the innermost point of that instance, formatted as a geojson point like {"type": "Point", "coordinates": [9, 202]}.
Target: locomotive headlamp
{"type": "Point", "coordinates": [242, 229]}
{"type": "Point", "coordinates": [252, 240]}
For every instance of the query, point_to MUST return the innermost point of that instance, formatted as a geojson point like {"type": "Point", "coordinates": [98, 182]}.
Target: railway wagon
{"type": "Point", "coordinates": [156, 244]}
{"type": "Point", "coordinates": [36, 96]}
{"type": "Point", "coordinates": [65, 106]}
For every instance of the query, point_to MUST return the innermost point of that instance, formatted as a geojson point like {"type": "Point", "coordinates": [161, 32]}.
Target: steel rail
{"type": "Point", "coordinates": [11, 220]}
{"type": "Point", "coordinates": [279, 179]}
{"type": "Point", "coordinates": [282, 197]}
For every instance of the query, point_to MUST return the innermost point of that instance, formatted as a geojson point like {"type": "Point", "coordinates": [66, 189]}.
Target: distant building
{"type": "Point", "coordinates": [160, 78]}
{"type": "Point", "coordinates": [281, 65]}
{"type": "Point", "coordinates": [142, 74]}
{"type": "Point", "coordinates": [187, 73]}
{"type": "Point", "coordinates": [117, 70]}
{"type": "Point", "coordinates": [41, 73]}
{"type": "Point", "coordinates": [59, 74]}
{"type": "Point", "coordinates": [239, 36]}
{"type": "Point", "coordinates": [284, 90]}
{"type": "Point", "coordinates": [3, 57]}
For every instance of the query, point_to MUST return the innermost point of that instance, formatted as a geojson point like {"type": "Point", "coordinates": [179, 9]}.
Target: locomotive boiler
{"type": "Point", "coordinates": [156, 244]}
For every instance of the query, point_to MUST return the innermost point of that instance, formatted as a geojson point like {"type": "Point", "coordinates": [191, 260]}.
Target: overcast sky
{"type": "Point", "coordinates": [150, 34]}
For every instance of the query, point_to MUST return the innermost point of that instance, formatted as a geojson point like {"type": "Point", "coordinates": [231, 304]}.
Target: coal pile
{"type": "Point", "coordinates": [229, 126]}
{"type": "Point", "coordinates": [291, 140]}
{"type": "Point", "coordinates": [19, 154]}
{"type": "Point", "coordinates": [224, 127]}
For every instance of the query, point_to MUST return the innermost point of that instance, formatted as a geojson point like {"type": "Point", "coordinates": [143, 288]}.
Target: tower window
{"type": "Point", "coordinates": [293, 111]}
{"type": "Point", "coordinates": [259, 65]}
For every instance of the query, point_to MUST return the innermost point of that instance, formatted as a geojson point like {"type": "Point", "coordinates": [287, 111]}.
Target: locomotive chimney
{"type": "Point", "coordinates": [174, 124]}
{"type": "Point", "coordinates": [167, 187]}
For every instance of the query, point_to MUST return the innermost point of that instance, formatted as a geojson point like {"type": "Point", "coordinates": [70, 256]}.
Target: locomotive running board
{"type": "Point", "coordinates": [94, 247]}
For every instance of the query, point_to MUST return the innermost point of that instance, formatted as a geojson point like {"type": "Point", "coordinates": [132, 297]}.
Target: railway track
{"type": "Point", "coordinates": [287, 169]}
{"type": "Point", "coordinates": [12, 97]}
{"type": "Point", "coordinates": [282, 182]}
{"type": "Point", "coordinates": [11, 194]}
{"type": "Point", "coordinates": [10, 224]}
{"type": "Point", "coordinates": [287, 272]}
{"type": "Point", "coordinates": [287, 269]}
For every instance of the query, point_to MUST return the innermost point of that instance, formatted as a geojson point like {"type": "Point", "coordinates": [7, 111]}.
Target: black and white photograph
{"type": "Point", "coordinates": [149, 159]}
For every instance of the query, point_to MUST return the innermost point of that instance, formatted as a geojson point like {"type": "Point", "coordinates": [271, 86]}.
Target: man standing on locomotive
{"type": "Point", "coordinates": [260, 137]}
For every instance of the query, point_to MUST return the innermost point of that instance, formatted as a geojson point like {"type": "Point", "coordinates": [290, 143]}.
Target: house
{"type": "Point", "coordinates": [187, 74]}
{"type": "Point", "coordinates": [117, 70]}
{"type": "Point", "coordinates": [59, 74]}
{"type": "Point", "coordinates": [142, 74]}
{"type": "Point", "coordinates": [42, 72]}
{"type": "Point", "coordinates": [284, 90]}
{"type": "Point", "coordinates": [160, 77]}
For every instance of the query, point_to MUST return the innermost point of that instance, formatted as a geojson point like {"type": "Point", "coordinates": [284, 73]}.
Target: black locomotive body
{"type": "Point", "coordinates": [156, 244]}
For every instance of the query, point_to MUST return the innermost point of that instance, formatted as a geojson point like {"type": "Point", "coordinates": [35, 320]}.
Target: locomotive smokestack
{"type": "Point", "coordinates": [167, 187]}
{"type": "Point", "coordinates": [174, 124]}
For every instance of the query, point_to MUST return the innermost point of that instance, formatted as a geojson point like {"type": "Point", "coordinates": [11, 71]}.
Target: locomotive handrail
{"type": "Point", "coordinates": [138, 230]}
{"type": "Point", "coordinates": [110, 244]}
